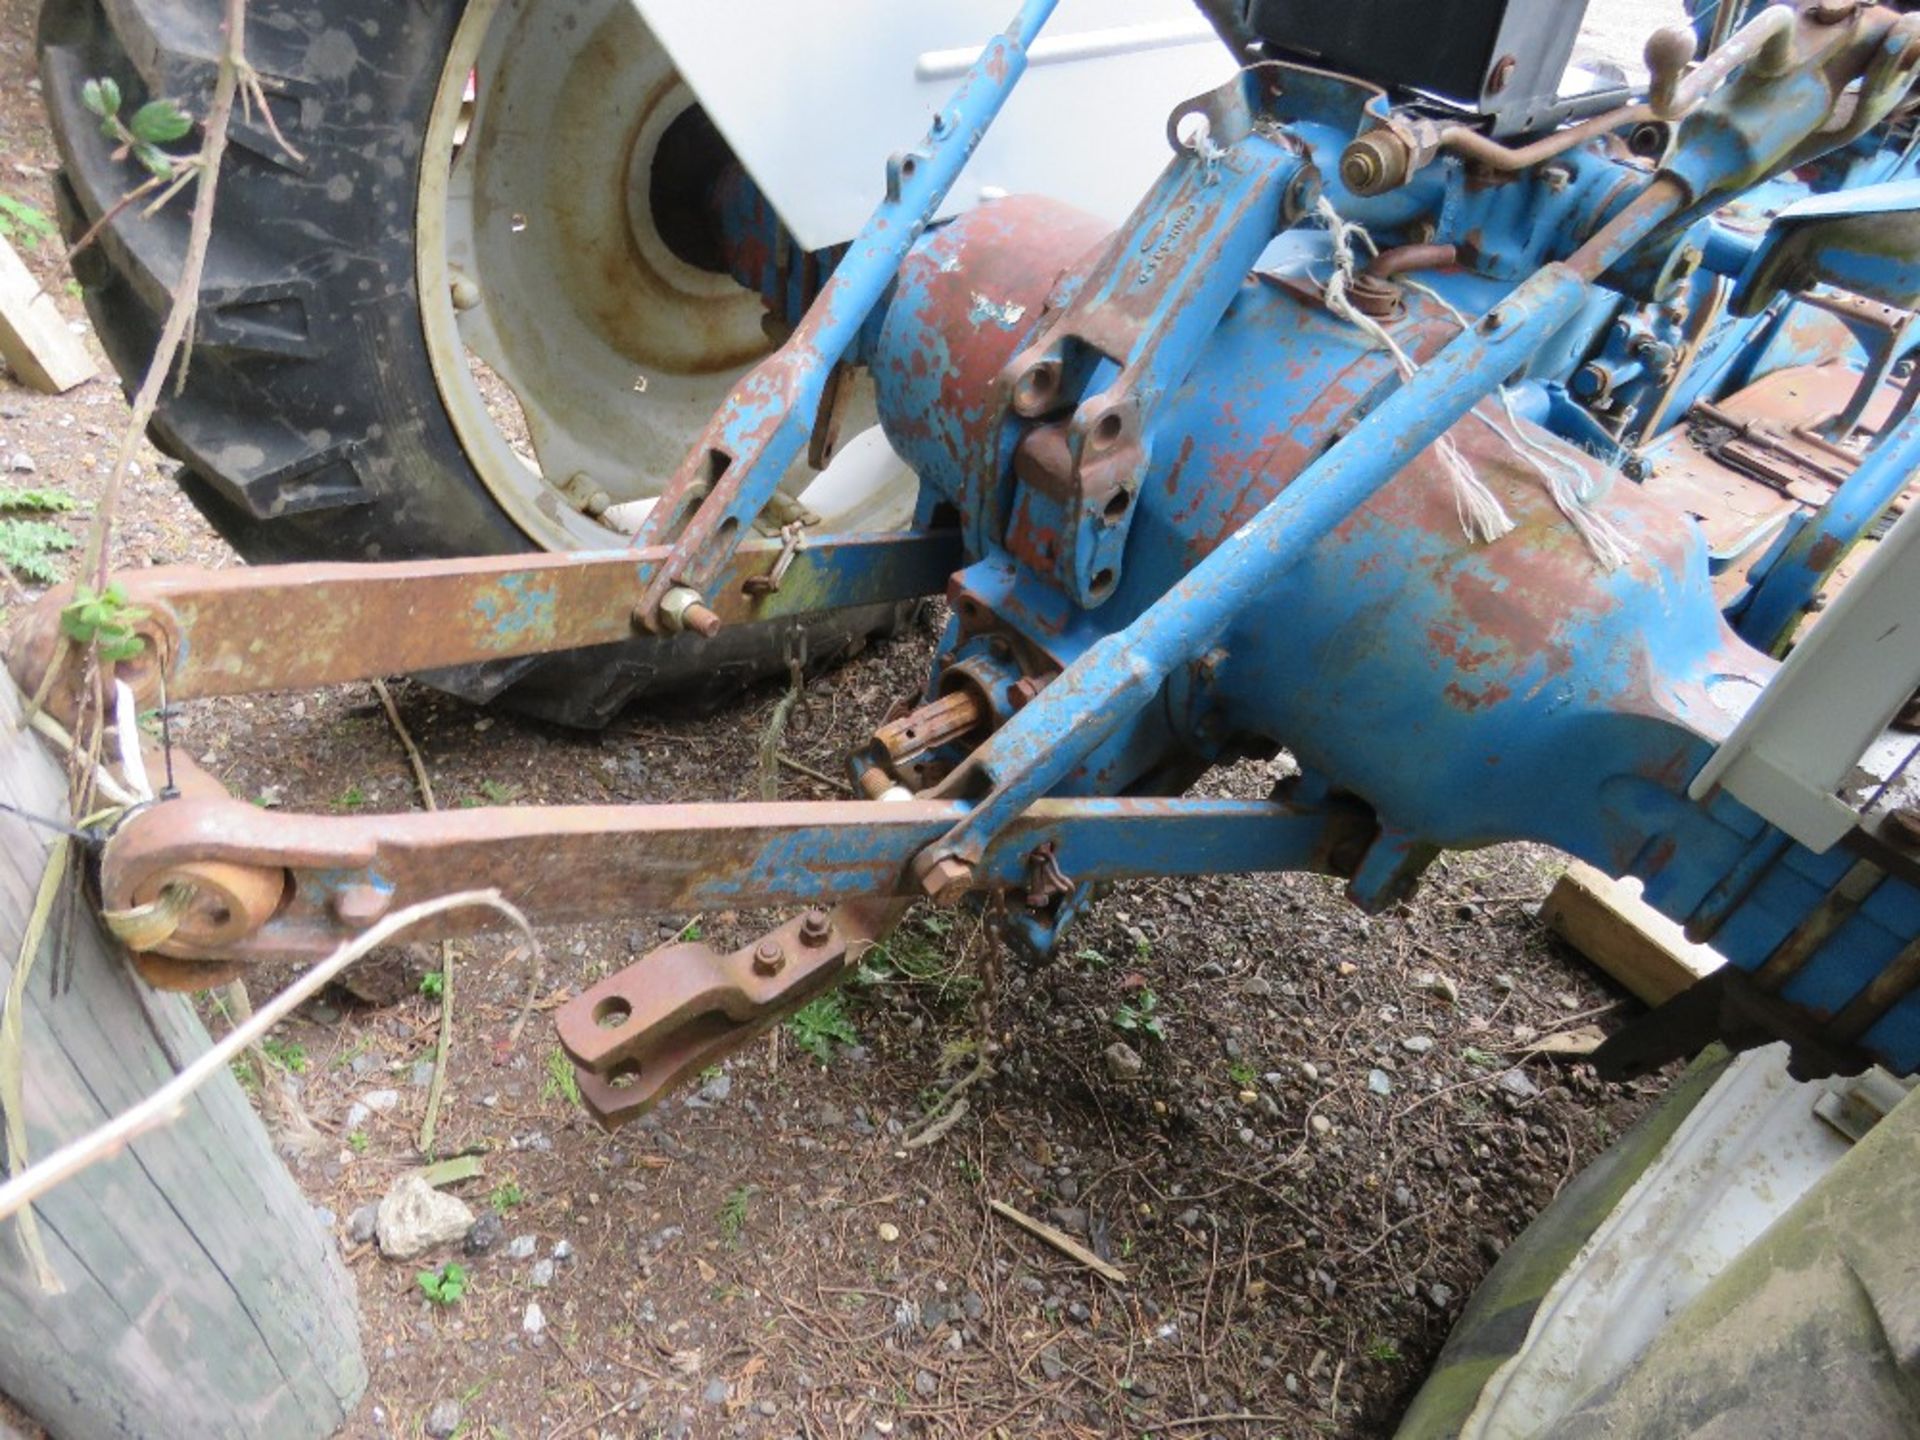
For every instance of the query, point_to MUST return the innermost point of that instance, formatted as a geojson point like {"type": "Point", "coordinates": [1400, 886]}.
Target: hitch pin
{"type": "Point", "coordinates": [791, 539]}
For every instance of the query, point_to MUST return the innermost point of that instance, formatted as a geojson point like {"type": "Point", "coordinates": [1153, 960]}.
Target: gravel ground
{"type": "Point", "coordinates": [1320, 1152]}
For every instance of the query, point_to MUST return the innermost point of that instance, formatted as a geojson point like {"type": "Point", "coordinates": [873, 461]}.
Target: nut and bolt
{"type": "Point", "coordinates": [769, 957]}
{"type": "Point", "coordinates": [947, 880]}
{"type": "Point", "coordinates": [816, 928]}
{"type": "Point", "coordinates": [681, 608]}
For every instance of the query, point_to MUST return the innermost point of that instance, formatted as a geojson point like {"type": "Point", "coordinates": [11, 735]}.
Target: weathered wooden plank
{"type": "Point", "coordinates": [34, 338]}
{"type": "Point", "coordinates": [1618, 931]}
{"type": "Point", "coordinates": [202, 1295]}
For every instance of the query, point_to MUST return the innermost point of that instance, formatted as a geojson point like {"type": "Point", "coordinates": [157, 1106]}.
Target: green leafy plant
{"type": "Point", "coordinates": [104, 620]}
{"type": "Point", "coordinates": [433, 984]}
{"type": "Point", "coordinates": [561, 1083]}
{"type": "Point", "coordinates": [27, 548]}
{"type": "Point", "coordinates": [1242, 1074]}
{"type": "Point", "coordinates": [287, 1054]}
{"type": "Point", "coordinates": [816, 1025]}
{"type": "Point", "coordinates": [444, 1286]}
{"type": "Point", "coordinates": [1485, 1059]}
{"type": "Point", "coordinates": [21, 221]}
{"type": "Point", "coordinates": [492, 792]}
{"type": "Point", "coordinates": [156, 123]}
{"type": "Point", "coordinates": [733, 1213]}
{"type": "Point", "coordinates": [505, 1196]}
{"type": "Point", "coordinates": [357, 1141]}
{"type": "Point", "coordinates": [1138, 1016]}
{"type": "Point", "coordinates": [1385, 1351]}
{"type": "Point", "coordinates": [911, 960]}
{"type": "Point", "coordinates": [48, 502]}
{"type": "Point", "coordinates": [1092, 958]}
{"type": "Point", "coordinates": [351, 798]}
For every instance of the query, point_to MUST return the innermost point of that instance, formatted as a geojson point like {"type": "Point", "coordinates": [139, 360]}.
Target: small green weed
{"type": "Point", "coordinates": [24, 222]}
{"type": "Point", "coordinates": [45, 502]}
{"type": "Point", "coordinates": [505, 1196]}
{"type": "Point", "coordinates": [444, 1286]}
{"type": "Point", "coordinates": [492, 792]}
{"type": "Point", "coordinates": [819, 1023]}
{"type": "Point", "coordinates": [733, 1214]}
{"type": "Point", "coordinates": [1385, 1351]}
{"type": "Point", "coordinates": [561, 1083]}
{"type": "Point", "coordinates": [351, 798]}
{"type": "Point", "coordinates": [357, 1141]}
{"type": "Point", "coordinates": [433, 984]}
{"type": "Point", "coordinates": [911, 960]}
{"type": "Point", "coordinates": [344, 1060]}
{"type": "Point", "coordinates": [1139, 1016]}
{"type": "Point", "coordinates": [287, 1054]}
{"type": "Point", "coordinates": [1242, 1074]}
{"type": "Point", "coordinates": [27, 548]}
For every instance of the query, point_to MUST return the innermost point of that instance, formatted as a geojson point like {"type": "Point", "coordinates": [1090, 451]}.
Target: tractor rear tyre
{"type": "Point", "coordinates": [443, 322]}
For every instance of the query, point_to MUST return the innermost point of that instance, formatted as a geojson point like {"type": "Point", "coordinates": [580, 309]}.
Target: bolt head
{"type": "Point", "coordinates": [816, 927]}
{"type": "Point", "coordinates": [769, 958]}
{"type": "Point", "coordinates": [947, 880]}
{"type": "Point", "coordinates": [358, 906]}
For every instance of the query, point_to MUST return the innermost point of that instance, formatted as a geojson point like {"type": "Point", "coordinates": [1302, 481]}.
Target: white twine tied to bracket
{"type": "Point", "coordinates": [1482, 517]}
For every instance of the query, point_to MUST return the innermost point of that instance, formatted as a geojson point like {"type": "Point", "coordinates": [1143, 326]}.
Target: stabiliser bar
{"type": "Point", "coordinates": [291, 627]}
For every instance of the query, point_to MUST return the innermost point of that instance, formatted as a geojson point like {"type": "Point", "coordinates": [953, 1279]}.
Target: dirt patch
{"type": "Point", "coordinates": [1320, 1154]}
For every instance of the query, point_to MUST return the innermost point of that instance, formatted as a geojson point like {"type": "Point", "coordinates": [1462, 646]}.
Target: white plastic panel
{"type": "Point", "coordinates": [1826, 708]}
{"type": "Point", "coordinates": [814, 98]}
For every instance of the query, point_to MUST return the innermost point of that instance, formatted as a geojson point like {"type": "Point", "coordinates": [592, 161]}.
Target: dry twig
{"type": "Point", "coordinates": [437, 1088]}
{"type": "Point", "coordinates": [1060, 1241]}
{"type": "Point", "coordinates": [232, 74]}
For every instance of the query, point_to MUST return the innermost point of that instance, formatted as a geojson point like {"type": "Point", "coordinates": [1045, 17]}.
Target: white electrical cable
{"type": "Point", "coordinates": [126, 726]}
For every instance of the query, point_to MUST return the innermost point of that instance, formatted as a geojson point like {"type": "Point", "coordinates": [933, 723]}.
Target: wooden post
{"type": "Point", "coordinates": [34, 339]}
{"type": "Point", "coordinates": [202, 1296]}
{"type": "Point", "coordinates": [1610, 924]}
